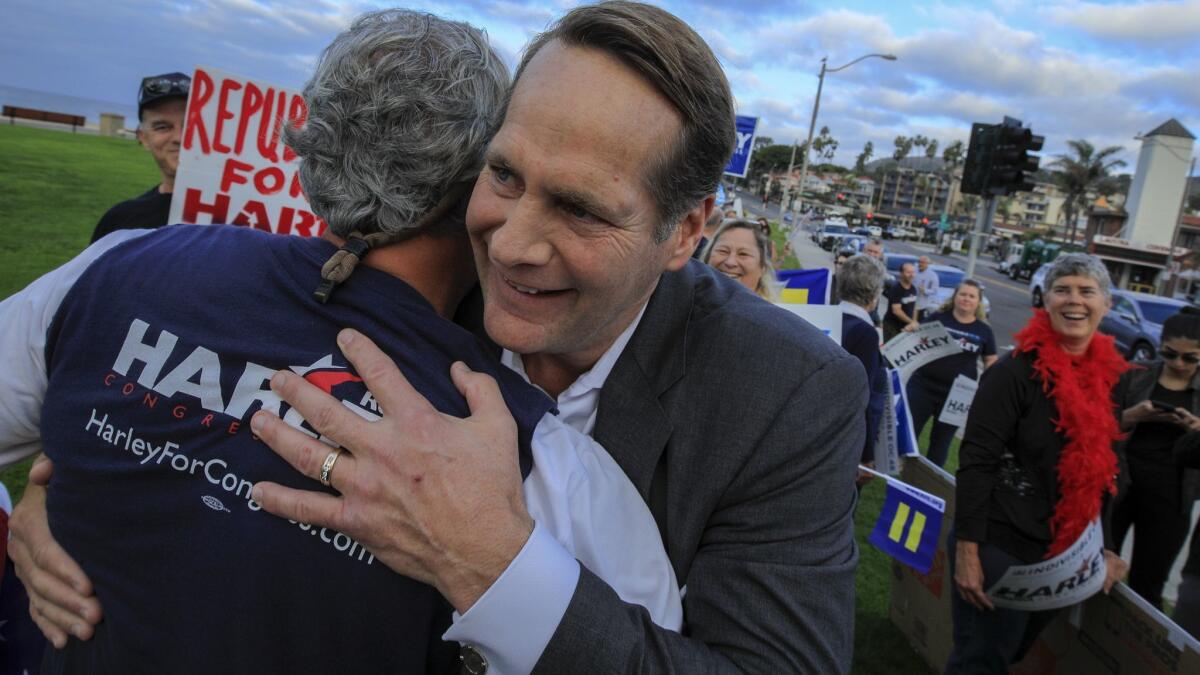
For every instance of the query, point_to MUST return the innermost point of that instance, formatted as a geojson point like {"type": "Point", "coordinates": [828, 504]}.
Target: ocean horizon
{"type": "Point", "coordinates": [72, 105]}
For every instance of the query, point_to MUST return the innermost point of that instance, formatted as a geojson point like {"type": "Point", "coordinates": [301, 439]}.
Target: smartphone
{"type": "Point", "coordinates": [1163, 407]}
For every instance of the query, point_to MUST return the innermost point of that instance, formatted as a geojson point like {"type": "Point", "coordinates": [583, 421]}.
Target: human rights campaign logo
{"type": "Point", "coordinates": [909, 525]}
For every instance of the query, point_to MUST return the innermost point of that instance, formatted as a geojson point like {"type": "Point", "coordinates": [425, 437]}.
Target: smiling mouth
{"type": "Point", "coordinates": [531, 291]}
{"type": "Point", "coordinates": [1074, 316]}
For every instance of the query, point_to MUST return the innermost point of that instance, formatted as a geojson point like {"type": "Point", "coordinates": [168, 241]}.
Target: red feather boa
{"type": "Point", "coordinates": [1081, 388]}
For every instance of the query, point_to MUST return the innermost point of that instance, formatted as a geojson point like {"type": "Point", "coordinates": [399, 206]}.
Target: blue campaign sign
{"type": "Point", "coordinates": [909, 525]}
{"type": "Point", "coordinates": [740, 162]}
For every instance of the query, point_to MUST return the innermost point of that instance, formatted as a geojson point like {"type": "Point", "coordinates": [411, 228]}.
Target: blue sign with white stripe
{"type": "Point", "coordinates": [739, 163]}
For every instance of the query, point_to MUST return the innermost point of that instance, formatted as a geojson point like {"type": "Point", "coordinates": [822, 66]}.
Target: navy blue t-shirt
{"type": "Point", "coordinates": [157, 358]}
{"type": "Point", "coordinates": [976, 341]}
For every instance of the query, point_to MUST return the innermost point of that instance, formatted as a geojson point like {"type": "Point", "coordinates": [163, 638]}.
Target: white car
{"type": "Point", "coordinates": [875, 230]}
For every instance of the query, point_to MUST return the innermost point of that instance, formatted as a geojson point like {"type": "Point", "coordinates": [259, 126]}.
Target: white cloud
{"type": "Point", "coordinates": [1145, 23]}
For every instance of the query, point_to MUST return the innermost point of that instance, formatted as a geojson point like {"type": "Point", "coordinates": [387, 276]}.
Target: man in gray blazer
{"type": "Point", "coordinates": [738, 423]}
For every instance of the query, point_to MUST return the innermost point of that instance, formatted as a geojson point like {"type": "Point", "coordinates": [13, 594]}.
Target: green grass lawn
{"type": "Point", "coordinates": [56, 185]}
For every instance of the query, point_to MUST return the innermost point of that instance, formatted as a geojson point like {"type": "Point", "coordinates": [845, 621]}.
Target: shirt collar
{"type": "Point", "coordinates": [594, 378]}
{"type": "Point", "coordinates": [855, 311]}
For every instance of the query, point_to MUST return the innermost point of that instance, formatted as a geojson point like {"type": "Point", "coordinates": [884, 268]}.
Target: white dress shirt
{"type": "Point", "coordinates": [514, 620]}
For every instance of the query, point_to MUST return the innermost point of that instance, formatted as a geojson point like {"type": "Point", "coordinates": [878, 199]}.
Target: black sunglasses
{"type": "Point", "coordinates": [1169, 354]}
{"type": "Point", "coordinates": [153, 87]}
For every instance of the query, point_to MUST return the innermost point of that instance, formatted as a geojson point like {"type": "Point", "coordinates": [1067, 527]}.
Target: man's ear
{"type": "Point", "coordinates": [141, 137]}
{"type": "Point", "coordinates": [686, 236]}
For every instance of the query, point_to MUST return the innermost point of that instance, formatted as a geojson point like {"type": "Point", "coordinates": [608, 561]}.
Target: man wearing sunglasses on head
{"type": "Point", "coordinates": [162, 100]}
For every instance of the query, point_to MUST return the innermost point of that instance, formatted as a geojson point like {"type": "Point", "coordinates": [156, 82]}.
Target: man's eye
{"type": "Point", "coordinates": [501, 174]}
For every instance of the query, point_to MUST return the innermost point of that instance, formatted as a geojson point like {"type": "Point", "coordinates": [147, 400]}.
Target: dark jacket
{"type": "Point", "coordinates": [749, 472]}
{"type": "Point", "coordinates": [1136, 386]}
{"type": "Point", "coordinates": [1007, 482]}
{"type": "Point", "coordinates": [862, 341]}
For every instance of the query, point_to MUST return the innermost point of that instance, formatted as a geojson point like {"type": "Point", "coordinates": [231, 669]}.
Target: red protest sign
{"type": "Point", "coordinates": [233, 166]}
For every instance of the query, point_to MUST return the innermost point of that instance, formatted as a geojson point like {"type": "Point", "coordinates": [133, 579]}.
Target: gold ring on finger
{"type": "Point", "coordinates": [327, 466]}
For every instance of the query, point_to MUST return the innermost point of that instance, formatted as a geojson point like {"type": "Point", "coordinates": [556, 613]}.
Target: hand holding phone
{"type": "Point", "coordinates": [1163, 407]}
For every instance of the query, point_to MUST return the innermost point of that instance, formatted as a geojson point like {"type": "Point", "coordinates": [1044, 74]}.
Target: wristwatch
{"type": "Point", "coordinates": [473, 662]}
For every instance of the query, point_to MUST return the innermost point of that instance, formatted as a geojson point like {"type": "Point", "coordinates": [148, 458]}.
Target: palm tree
{"type": "Point", "coordinates": [1081, 174]}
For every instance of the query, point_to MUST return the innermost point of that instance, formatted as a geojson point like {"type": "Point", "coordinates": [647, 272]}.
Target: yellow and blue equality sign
{"type": "Point", "coordinates": [804, 287]}
{"type": "Point", "coordinates": [909, 525]}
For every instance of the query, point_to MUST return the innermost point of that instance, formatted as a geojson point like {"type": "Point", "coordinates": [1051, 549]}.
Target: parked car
{"type": "Point", "coordinates": [862, 232]}
{"type": "Point", "coordinates": [948, 277]}
{"type": "Point", "coordinates": [875, 230]}
{"type": "Point", "coordinates": [829, 235]}
{"type": "Point", "coordinates": [1135, 322]}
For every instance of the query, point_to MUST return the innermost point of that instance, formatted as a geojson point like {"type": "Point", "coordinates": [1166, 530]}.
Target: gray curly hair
{"type": "Point", "coordinates": [860, 280]}
{"type": "Point", "coordinates": [399, 111]}
{"type": "Point", "coordinates": [1079, 265]}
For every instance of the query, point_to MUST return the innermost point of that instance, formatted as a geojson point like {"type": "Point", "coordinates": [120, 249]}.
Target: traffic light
{"type": "Point", "coordinates": [998, 160]}
{"type": "Point", "coordinates": [978, 164]}
{"type": "Point", "coordinates": [1012, 165]}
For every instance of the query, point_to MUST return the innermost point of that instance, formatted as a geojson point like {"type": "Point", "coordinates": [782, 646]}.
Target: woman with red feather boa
{"type": "Point", "coordinates": [1037, 464]}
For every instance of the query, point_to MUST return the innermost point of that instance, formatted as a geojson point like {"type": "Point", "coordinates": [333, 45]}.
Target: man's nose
{"type": "Point", "coordinates": [524, 238]}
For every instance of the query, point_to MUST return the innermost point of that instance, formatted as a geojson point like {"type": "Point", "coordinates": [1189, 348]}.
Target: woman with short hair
{"type": "Point", "coordinates": [1037, 463]}
{"type": "Point", "coordinates": [859, 283]}
{"type": "Point", "coordinates": [741, 251]}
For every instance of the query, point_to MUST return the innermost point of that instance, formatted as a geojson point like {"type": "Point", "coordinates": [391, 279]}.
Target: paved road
{"type": "Point", "coordinates": [1010, 299]}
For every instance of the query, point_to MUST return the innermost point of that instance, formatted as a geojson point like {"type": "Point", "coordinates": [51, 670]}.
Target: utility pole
{"type": "Point", "coordinates": [983, 226]}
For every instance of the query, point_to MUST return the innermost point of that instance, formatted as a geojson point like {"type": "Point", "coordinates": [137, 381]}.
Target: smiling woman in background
{"type": "Point", "coordinates": [740, 250]}
{"type": "Point", "coordinates": [1037, 462]}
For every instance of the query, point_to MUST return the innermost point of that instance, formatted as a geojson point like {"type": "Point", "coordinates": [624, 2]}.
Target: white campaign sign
{"type": "Point", "coordinates": [909, 351]}
{"type": "Point", "coordinates": [233, 166]}
{"type": "Point", "coordinates": [827, 318]}
{"type": "Point", "coordinates": [1064, 580]}
{"type": "Point", "coordinates": [958, 403]}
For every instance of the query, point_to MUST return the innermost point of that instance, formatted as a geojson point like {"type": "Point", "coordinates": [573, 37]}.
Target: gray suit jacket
{"type": "Point", "coordinates": [741, 425]}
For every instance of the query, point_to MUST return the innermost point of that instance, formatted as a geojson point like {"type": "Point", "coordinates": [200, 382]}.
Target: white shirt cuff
{"type": "Point", "coordinates": [514, 620]}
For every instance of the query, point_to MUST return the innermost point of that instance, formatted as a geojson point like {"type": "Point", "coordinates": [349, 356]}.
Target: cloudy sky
{"type": "Point", "coordinates": [1101, 71]}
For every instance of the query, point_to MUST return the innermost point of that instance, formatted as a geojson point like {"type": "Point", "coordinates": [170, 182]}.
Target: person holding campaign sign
{"type": "Point", "coordinates": [161, 101]}
{"type": "Point", "coordinates": [859, 280]}
{"type": "Point", "coordinates": [929, 387]}
{"type": "Point", "coordinates": [901, 299]}
{"type": "Point", "coordinates": [741, 251]}
{"type": "Point", "coordinates": [1160, 401]}
{"type": "Point", "coordinates": [1037, 471]}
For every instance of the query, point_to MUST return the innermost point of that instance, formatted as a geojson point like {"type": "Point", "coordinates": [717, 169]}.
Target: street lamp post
{"type": "Point", "coordinates": [791, 165]}
{"type": "Point", "coordinates": [812, 122]}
